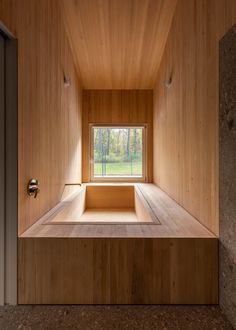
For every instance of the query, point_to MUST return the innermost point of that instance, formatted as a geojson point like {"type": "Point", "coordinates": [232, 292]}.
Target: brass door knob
{"type": "Point", "coordinates": [33, 187]}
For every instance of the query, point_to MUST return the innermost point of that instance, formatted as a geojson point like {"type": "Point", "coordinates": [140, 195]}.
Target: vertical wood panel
{"type": "Point", "coordinates": [121, 42]}
{"type": "Point", "coordinates": [118, 271]}
{"type": "Point", "coordinates": [49, 113]}
{"type": "Point", "coordinates": [186, 114]}
{"type": "Point", "coordinates": [2, 170]}
{"type": "Point", "coordinates": [116, 107]}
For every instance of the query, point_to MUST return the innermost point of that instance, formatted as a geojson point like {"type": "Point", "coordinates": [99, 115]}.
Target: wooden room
{"type": "Point", "coordinates": [118, 144]}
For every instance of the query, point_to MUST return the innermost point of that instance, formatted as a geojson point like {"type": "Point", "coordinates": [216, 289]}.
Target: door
{"type": "Point", "coordinates": [2, 168]}
{"type": "Point", "coordinates": [8, 168]}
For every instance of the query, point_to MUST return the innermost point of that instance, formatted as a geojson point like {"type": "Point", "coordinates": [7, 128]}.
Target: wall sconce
{"type": "Point", "coordinates": [169, 81]}
{"type": "Point", "coordinates": [67, 81]}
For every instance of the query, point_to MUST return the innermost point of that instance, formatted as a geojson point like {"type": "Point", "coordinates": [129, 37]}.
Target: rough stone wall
{"type": "Point", "coordinates": [227, 133]}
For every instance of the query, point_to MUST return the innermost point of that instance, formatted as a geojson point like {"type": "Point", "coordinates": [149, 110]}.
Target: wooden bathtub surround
{"type": "Point", "coordinates": [102, 203]}
{"type": "Point", "coordinates": [175, 221]}
{"type": "Point", "coordinates": [118, 271]}
{"type": "Point", "coordinates": [175, 262]}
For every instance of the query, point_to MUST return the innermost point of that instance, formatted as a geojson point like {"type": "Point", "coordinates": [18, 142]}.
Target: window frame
{"type": "Point", "coordinates": [142, 178]}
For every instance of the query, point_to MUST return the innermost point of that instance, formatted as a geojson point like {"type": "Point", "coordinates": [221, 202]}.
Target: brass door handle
{"type": "Point", "coordinates": [33, 187]}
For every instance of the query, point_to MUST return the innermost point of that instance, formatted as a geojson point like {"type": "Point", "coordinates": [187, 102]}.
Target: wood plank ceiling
{"type": "Point", "coordinates": [118, 44]}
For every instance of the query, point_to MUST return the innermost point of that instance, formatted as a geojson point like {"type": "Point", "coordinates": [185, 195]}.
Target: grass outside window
{"type": "Point", "coordinates": [117, 152]}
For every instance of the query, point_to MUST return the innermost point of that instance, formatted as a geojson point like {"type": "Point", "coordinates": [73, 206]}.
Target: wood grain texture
{"type": "Point", "coordinates": [49, 113]}
{"type": "Point", "coordinates": [116, 107]}
{"type": "Point", "coordinates": [186, 114]}
{"type": "Point", "coordinates": [101, 216]}
{"type": "Point", "coordinates": [118, 44]}
{"type": "Point", "coordinates": [104, 203]}
{"type": "Point", "coordinates": [73, 210]}
{"type": "Point", "coordinates": [142, 208]}
{"type": "Point", "coordinates": [175, 222]}
{"type": "Point", "coordinates": [108, 196]}
{"type": "Point", "coordinates": [118, 271]}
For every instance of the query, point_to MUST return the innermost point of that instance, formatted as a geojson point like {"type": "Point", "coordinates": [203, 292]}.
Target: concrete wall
{"type": "Point", "coordinates": [227, 131]}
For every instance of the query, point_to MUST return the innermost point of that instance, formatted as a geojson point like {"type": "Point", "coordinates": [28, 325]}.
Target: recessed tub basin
{"type": "Point", "coordinates": [105, 204]}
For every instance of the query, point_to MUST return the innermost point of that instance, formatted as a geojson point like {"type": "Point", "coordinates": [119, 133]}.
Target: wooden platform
{"type": "Point", "coordinates": [117, 271]}
{"type": "Point", "coordinates": [175, 222]}
{"type": "Point", "coordinates": [174, 262]}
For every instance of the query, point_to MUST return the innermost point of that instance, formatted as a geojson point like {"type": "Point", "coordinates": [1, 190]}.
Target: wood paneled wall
{"type": "Point", "coordinates": [116, 107]}
{"type": "Point", "coordinates": [186, 113]}
{"type": "Point", "coordinates": [49, 113]}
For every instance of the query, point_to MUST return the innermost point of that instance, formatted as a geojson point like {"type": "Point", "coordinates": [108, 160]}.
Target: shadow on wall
{"type": "Point", "coordinates": [227, 134]}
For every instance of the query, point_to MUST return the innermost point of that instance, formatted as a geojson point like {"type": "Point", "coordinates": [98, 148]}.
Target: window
{"type": "Point", "coordinates": [118, 153]}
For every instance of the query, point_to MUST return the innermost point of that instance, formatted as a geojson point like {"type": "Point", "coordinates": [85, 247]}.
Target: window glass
{"type": "Point", "coordinates": [117, 152]}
